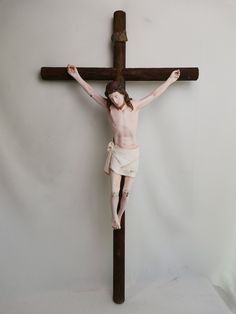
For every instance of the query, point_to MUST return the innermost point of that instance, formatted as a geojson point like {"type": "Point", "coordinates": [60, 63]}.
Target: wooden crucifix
{"type": "Point", "coordinates": [119, 69]}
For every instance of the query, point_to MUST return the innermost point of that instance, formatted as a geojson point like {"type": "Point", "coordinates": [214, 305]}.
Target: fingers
{"type": "Point", "coordinates": [177, 73]}
{"type": "Point", "coordinates": [70, 66]}
{"type": "Point", "coordinates": [71, 69]}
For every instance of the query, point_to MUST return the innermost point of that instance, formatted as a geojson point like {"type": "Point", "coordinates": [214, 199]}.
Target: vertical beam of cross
{"type": "Point", "coordinates": [119, 40]}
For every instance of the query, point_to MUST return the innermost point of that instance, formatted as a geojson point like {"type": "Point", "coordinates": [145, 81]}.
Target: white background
{"type": "Point", "coordinates": [55, 226]}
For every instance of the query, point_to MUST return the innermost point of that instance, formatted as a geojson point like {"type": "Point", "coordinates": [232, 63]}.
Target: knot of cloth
{"type": "Point", "coordinates": [119, 36]}
{"type": "Point", "coordinates": [110, 148]}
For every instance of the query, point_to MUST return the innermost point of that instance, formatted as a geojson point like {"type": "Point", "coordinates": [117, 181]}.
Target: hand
{"type": "Point", "coordinates": [174, 76]}
{"type": "Point", "coordinates": [72, 70]}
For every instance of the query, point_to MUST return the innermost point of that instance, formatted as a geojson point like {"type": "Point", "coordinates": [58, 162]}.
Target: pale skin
{"type": "Point", "coordinates": [124, 123]}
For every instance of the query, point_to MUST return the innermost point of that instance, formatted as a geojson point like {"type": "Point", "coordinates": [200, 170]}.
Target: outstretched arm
{"type": "Point", "coordinates": [158, 91]}
{"type": "Point", "coordinates": [72, 70]}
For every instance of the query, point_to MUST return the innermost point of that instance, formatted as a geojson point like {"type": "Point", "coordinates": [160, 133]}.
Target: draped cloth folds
{"type": "Point", "coordinates": [123, 161]}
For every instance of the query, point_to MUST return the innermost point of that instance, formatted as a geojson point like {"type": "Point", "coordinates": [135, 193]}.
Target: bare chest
{"type": "Point", "coordinates": [125, 118]}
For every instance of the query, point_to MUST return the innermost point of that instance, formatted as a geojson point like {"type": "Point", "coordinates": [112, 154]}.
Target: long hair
{"type": "Point", "coordinates": [117, 86]}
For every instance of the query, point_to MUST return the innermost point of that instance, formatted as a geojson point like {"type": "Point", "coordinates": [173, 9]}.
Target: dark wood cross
{"type": "Point", "coordinates": [119, 39]}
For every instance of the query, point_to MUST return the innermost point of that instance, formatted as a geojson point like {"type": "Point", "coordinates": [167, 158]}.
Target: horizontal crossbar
{"type": "Point", "coordinates": [129, 74]}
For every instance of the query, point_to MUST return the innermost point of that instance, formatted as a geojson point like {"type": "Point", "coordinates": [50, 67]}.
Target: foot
{"type": "Point", "coordinates": [116, 222]}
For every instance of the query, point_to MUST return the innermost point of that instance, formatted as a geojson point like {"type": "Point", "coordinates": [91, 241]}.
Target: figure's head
{"type": "Point", "coordinates": [116, 94]}
{"type": "Point", "coordinates": [117, 99]}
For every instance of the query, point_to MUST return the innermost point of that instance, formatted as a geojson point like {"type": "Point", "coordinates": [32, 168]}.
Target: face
{"type": "Point", "coordinates": [117, 99]}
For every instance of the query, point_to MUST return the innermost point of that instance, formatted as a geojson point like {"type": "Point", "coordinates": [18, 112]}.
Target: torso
{"type": "Point", "coordinates": [124, 125]}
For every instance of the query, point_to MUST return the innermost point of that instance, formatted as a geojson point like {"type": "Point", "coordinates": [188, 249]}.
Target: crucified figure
{"type": "Point", "coordinates": [123, 150]}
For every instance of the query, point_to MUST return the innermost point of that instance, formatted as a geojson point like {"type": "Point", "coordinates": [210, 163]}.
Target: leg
{"type": "Point", "coordinates": [125, 194]}
{"type": "Point", "coordinates": [115, 188]}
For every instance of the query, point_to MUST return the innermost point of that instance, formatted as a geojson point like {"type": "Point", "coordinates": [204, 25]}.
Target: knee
{"type": "Point", "coordinates": [125, 193]}
{"type": "Point", "coordinates": [114, 193]}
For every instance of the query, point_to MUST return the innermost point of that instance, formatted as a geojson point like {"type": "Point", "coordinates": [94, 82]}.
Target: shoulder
{"type": "Point", "coordinates": [105, 104]}
{"type": "Point", "coordinates": [135, 104]}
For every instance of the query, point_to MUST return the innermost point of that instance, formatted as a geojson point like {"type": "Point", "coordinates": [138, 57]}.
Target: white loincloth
{"type": "Point", "coordinates": [123, 161]}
